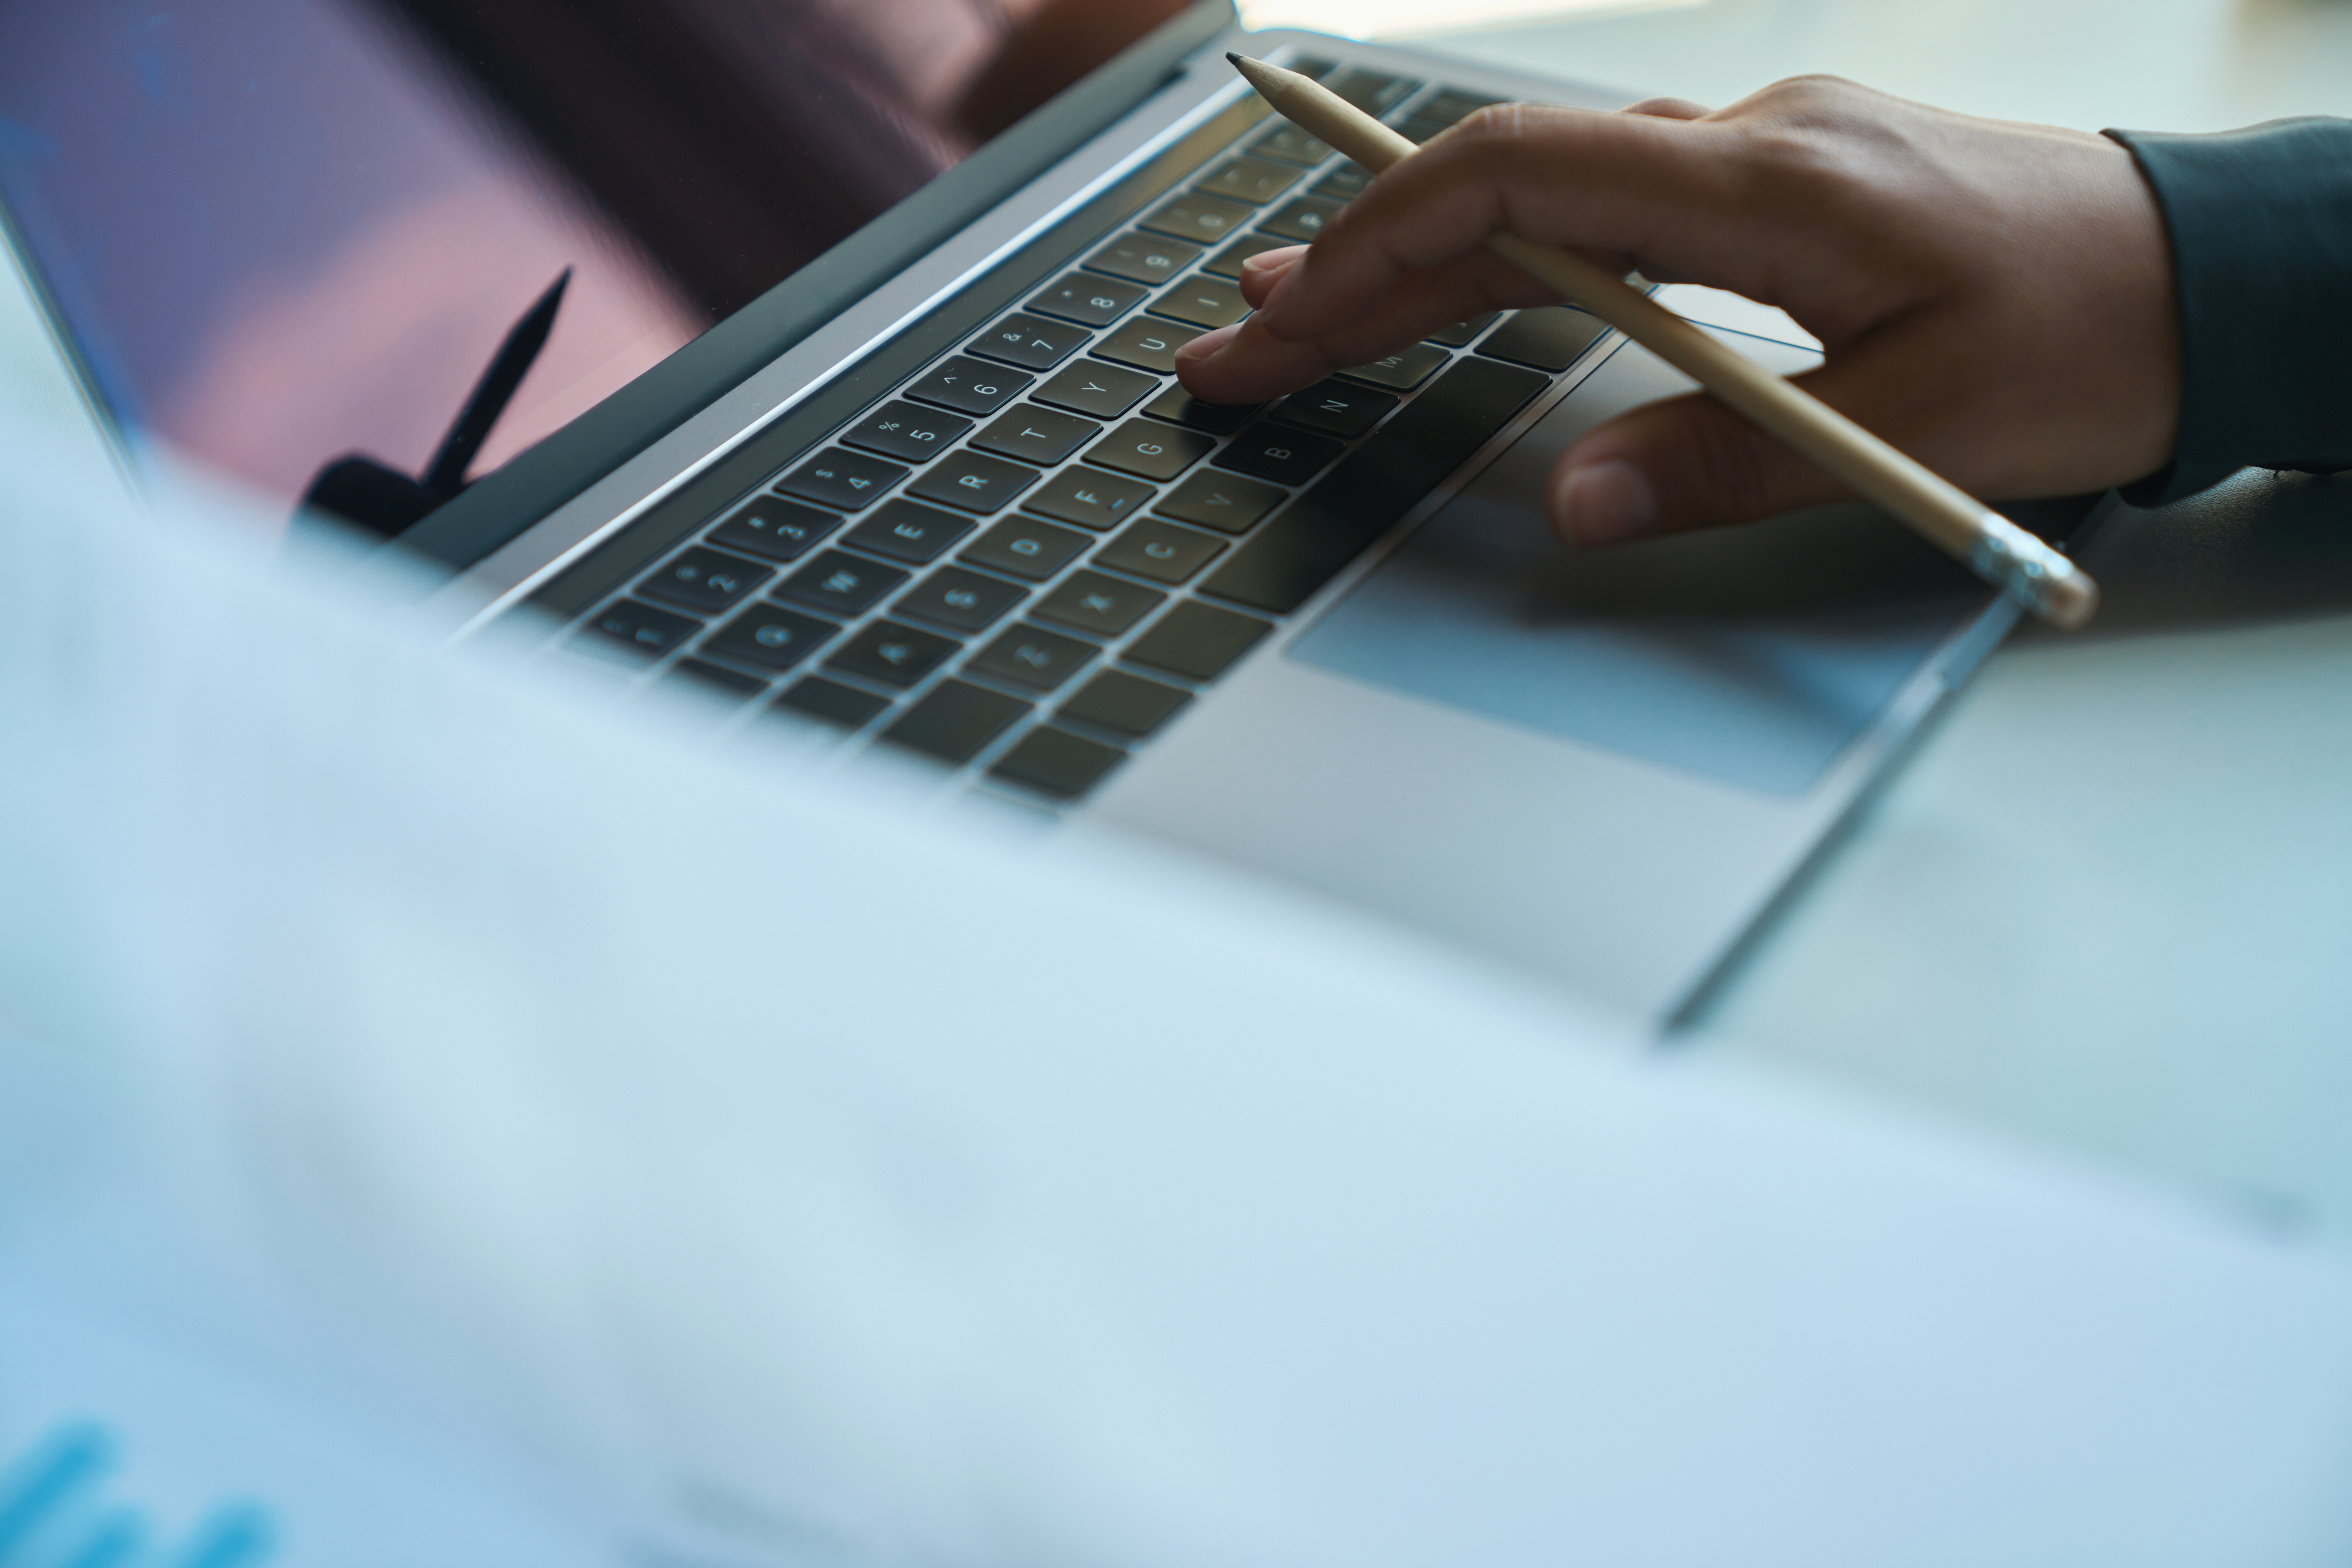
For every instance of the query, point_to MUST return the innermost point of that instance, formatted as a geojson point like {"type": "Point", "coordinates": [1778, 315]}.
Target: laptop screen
{"type": "Point", "coordinates": [281, 232]}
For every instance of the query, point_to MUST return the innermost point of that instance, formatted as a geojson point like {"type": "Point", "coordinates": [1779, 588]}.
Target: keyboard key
{"type": "Point", "coordinates": [1376, 484]}
{"type": "Point", "coordinates": [635, 631]}
{"type": "Point", "coordinates": [1202, 301]}
{"type": "Point", "coordinates": [1089, 498]}
{"type": "Point", "coordinates": [1458, 335]}
{"type": "Point", "coordinates": [843, 480]}
{"type": "Point", "coordinates": [713, 681]}
{"type": "Point", "coordinates": [955, 721]}
{"type": "Point", "coordinates": [1251, 179]}
{"type": "Point", "coordinates": [1335, 408]}
{"type": "Point", "coordinates": [1285, 457]}
{"type": "Point", "coordinates": [902, 430]}
{"type": "Point", "coordinates": [974, 482]}
{"type": "Point", "coordinates": [894, 655]}
{"type": "Point", "coordinates": [1302, 220]}
{"type": "Point", "coordinates": [841, 584]}
{"type": "Point", "coordinates": [1057, 763]}
{"type": "Point", "coordinates": [1159, 551]}
{"type": "Point", "coordinates": [1454, 104]}
{"type": "Point", "coordinates": [1292, 146]}
{"type": "Point", "coordinates": [704, 581]}
{"type": "Point", "coordinates": [1125, 704]}
{"type": "Point", "coordinates": [1551, 338]}
{"type": "Point", "coordinates": [969, 386]}
{"type": "Point", "coordinates": [770, 637]}
{"type": "Point", "coordinates": [1227, 263]}
{"type": "Point", "coordinates": [1418, 129]}
{"type": "Point", "coordinates": [1145, 343]}
{"type": "Point", "coordinates": [1216, 418]}
{"type": "Point", "coordinates": [1088, 300]}
{"type": "Point", "coordinates": [775, 529]}
{"type": "Point", "coordinates": [831, 702]}
{"type": "Point", "coordinates": [1204, 220]}
{"type": "Point", "coordinates": [1092, 603]}
{"type": "Point", "coordinates": [1018, 547]}
{"type": "Point", "coordinates": [959, 600]}
{"type": "Point", "coordinates": [1144, 258]}
{"type": "Point", "coordinates": [1150, 449]}
{"type": "Point", "coordinates": [1092, 387]}
{"type": "Point", "coordinates": [1227, 502]}
{"type": "Point", "coordinates": [1374, 92]}
{"type": "Point", "coordinates": [1351, 181]}
{"type": "Point", "coordinates": [1036, 435]}
{"type": "Point", "coordinates": [1401, 371]}
{"type": "Point", "coordinates": [1033, 343]}
{"type": "Point", "coordinates": [1033, 657]}
{"type": "Point", "coordinates": [904, 530]}
{"type": "Point", "coordinates": [1198, 642]}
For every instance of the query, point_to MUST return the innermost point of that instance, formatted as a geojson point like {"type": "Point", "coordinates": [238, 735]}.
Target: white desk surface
{"type": "Point", "coordinates": [2110, 900]}
{"type": "Point", "coordinates": [2108, 903]}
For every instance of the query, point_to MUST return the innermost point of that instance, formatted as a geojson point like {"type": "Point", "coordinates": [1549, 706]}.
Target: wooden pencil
{"type": "Point", "coordinates": [2007, 556]}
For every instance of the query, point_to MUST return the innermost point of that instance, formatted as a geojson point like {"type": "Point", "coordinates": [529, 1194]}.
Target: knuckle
{"type": "Point", "coordinates": [1788, 158]}
{"type": "Point", "coordinates": [1494, 123]}
{"type": "Point", "coordinates": [1668, 108]}
{"type": "Point", "coordinates": [1819, 128]}
{"type": "Point", "coordinates": [1812, 90]}
{"type": "Point", "coordinates": [1815, 164]}
{"type": "Point", "coordinates": [1502, 148]}
{"type": "Point", "coordinates": [1505, 127]}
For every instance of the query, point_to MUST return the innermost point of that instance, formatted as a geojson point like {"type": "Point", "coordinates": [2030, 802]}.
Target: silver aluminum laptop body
{"type": "Point", "coordinates": [1602, 769]}
{"type": "Point", "coordinates": [1623, 857]}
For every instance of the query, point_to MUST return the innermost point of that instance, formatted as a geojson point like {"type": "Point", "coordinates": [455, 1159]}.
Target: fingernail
{"type": "Point", "coordinates": [1265, 258]}
{"type": "Point", "coordinates": [1606, 504]}
{"type": "Point", "coordinates": [1207, 344]}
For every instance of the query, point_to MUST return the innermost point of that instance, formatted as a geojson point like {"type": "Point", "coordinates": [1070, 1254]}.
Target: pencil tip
{"type": "Point", "coordinates": [1232, 59]}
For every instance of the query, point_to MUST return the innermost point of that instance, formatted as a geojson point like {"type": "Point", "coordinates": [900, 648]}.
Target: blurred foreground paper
{"type": "Point", "coordinates": [887, 1188]}
{"type": "Point", "coordinates": [118, 1450]}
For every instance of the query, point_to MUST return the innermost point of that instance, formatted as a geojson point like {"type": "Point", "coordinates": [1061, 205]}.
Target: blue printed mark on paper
{"type": "Point", "coordinates": [55, 1513]}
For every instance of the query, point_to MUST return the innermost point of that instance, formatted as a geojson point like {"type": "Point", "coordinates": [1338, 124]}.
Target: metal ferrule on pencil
{"type": "Point", "coordinates": [2025, 568]}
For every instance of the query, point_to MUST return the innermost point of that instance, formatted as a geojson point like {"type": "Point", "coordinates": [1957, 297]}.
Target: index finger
{"type": "Point", "coordinates": [1614, 183]}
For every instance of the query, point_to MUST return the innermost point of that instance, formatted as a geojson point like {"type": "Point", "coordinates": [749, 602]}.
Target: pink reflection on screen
{"type": "Point", "coordinates": [377, 349]}
{"type": "Point", "coordinates": [921, 53]}
{"type": "Point", "coordinates": [284, 231]}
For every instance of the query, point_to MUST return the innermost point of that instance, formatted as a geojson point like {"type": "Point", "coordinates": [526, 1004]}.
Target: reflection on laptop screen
{"type": "Point", "coordinates": [281, 231]}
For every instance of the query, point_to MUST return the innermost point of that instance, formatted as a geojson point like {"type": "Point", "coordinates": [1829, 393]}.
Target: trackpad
{"type": "Point", "coordinates": [1753, 655]}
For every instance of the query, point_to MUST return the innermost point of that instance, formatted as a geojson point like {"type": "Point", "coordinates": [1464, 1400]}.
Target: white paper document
{"type": "Point", "coordinates": [806, 1170]}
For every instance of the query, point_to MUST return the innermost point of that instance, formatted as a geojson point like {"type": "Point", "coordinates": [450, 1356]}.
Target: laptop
{"type": "Point", "coordinates": [816, 360]}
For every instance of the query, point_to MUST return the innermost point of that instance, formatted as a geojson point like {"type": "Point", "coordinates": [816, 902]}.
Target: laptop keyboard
{"type": "Point", "coordinates": [1034, 553]}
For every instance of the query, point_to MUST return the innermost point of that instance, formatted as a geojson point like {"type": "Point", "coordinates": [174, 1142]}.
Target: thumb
{"type": "Point", "coordinates": [1690, 462]}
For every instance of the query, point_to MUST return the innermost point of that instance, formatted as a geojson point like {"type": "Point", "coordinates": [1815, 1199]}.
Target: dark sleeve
{"type": "Point", "coordinates": [2261, 223]}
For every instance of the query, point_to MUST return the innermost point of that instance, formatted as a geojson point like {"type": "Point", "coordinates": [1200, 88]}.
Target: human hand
{"type": "Point", "coordinates": [1995, 299]}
